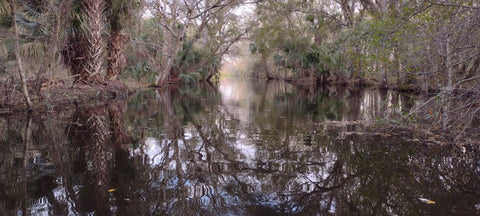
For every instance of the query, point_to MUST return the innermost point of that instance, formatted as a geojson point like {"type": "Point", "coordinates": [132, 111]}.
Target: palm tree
{"type": "Point", "coordinates": [94, 56]}
{"type": "Point", "coordinates": [118, 14]}
{"type": "Point", "coordinates": [74, 47]}
{"type": "Point", "coordinates": [85, 50]}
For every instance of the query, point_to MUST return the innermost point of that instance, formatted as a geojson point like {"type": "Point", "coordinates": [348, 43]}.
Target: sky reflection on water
{"type": "Point", "coordinates": [247, 148]}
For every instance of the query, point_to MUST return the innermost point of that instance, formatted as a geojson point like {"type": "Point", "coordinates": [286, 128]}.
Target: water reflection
{"type": "Point", "coordinates": [246, 149]}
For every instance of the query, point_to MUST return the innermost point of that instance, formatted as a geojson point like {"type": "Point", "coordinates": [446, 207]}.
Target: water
{"type": "Point", "coordinates": [245, 148]}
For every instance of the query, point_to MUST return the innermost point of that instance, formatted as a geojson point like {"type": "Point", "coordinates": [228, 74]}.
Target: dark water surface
{"type": "Point", "coordinates": [245, 148]}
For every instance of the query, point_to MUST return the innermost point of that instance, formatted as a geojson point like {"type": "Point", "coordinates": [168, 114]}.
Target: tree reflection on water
{"type": "Point", "coordinates": [276, 150]}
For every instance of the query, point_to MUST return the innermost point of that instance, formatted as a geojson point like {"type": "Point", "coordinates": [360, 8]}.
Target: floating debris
{"type": "Point", "coordinates": [427, 201]}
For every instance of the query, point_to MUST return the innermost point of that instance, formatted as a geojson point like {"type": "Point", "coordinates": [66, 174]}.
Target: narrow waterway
{"type": "Point", "coordinates": [241, 148]}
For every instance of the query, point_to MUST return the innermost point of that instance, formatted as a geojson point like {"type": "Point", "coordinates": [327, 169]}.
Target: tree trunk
{"type": "Point", "coordinates": [95, 50]}
{"type": "Point", "coordinates": [166, 61]}
{"type": "Point", "coordinates": [172, 124]}
{"type": "Point", "coordinates": [21, 71]}
{"type": "Point", "coordinates": [449, 65]}
{"type": "Point", "coordinates": [114, 49]}
{"type": "Point", "coordinates": [448, 88]}
{"type": "Point", "coordinates": [116, 114]}
{"type": "Point", "coordinates": [74, 55]}
{"type": "Point", "coordinates": [169, 54]}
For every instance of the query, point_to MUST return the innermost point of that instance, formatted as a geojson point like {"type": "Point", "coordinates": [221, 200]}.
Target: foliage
{"type": "Point", "coordinates": [430, 46]}
{"type": "Point", "coordinates": [187, 78]}
{"type": "Point", "coordinates": [427, 46]}
{"type": "Point", "coordinates": [34, 26]}
{"type": "Point", "coordinates": [140, 71]}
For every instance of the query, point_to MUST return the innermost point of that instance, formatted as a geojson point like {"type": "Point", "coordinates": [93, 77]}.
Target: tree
{"type": "Point", "coordinates": [216, 32]}
{"type": "Point", "coordinates": [20, 69]}
{"type": "Point", "coordinates": [55, 13]}
{"type": "Point", "coordinates": [94, 56]}
{"type": "Point", "coordinates": [119, 14]}
{"type": "Point", "coordinates": [85, 51]}
{"type": "Point", "coordinates": [175, 18]}
{"type": "Point", "coordinates": [39, 29]}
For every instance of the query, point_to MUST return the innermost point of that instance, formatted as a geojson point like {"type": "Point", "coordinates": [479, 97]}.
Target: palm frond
{"type": "Point", "coordinates": [32, 49]}
{"type": "Point", "coordinates": [31, 12]}
{"type": "Point", "coordinates": [187, 78]}
{"type": "Point", "coordinates": [22, 21]}
{"type": "Point", "coordinates": [5, 21]}
{"type": "Point", "coordinates": [45, 17]}
{"type": "Point", "coordinates": [77, 16]}
{"type": "Point", "coordinates": [29, 27]}
{"type": "Point", "coordinates": [4, 8]}
{"type": "Point", "coordinates": [196, 75]}
{"type": "Point", "coordinates": [7, 46]}
{"type": "Point", "coordinates": [3, 52]}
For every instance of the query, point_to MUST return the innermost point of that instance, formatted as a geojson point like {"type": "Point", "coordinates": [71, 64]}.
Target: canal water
{"type": "Point", "coordinates": [240, 148]}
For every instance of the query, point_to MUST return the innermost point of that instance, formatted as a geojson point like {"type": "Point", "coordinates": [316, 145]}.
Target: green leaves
{"type": "Point", "coordinates": [33, 49]}
{"type": "Point", "coordinates": [4, 8]}
{"type": "Point", "coordinates": [139, 71]}
{"type": "Point", "coordinates": [187, 78]}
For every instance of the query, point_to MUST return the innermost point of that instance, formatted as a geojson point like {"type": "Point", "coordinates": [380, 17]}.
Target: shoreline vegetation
{"type": "Point", "coordinates": [64, 97]}
{"type": "Point", "coordinates": [59, 99]}
{"type": "Point", "coordinates": [58, 54]}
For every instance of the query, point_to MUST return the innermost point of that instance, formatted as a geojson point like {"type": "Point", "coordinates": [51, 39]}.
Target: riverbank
{"type": "Point", "coordinates": [63, 97]}
{"type": "Point", "coordinates": [358, 82]}
{"type": "Point", "coordinates": [417, 135]}
{"type": "Point", "coordinates": [60, 98]}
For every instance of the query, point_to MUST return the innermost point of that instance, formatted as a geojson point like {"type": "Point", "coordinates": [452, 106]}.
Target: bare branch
{"type": "Point", "coordinates": [452, 5]}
